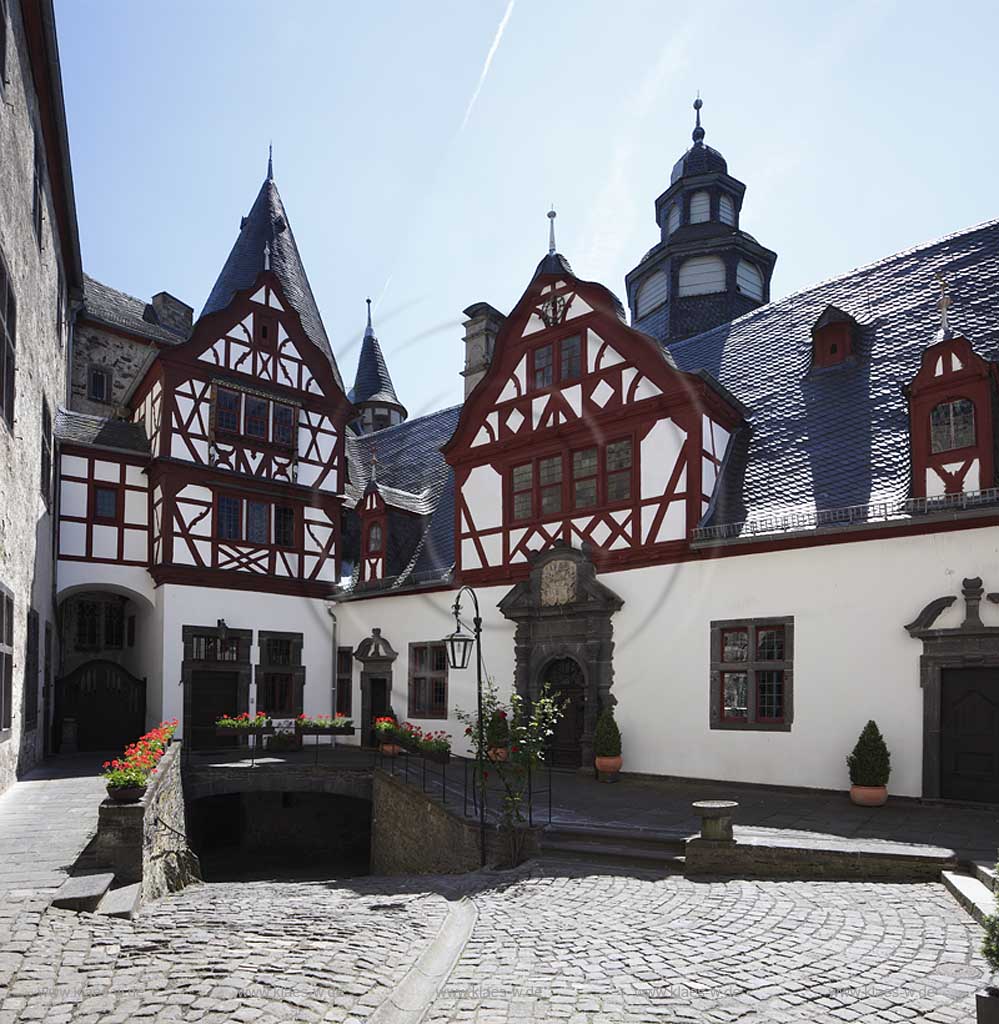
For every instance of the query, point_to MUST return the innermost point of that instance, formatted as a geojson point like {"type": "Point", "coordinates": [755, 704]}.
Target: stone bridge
{"type": "Point", "coordinates": [203, 780]}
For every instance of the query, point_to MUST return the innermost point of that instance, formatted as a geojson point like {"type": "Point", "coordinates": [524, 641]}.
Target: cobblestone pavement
{"type": "Point", "coordinates": [248, 952]}
{"type": "Point", "coordinates": [611, 948]}
{"type": "Point", "coordinates": [548, 945]}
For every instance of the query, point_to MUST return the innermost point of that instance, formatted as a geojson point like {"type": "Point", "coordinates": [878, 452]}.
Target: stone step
{"type": "Point", "coordinates": [985, 872]}
{"type": "Point", "coordinates": [669, 843]}
{"type": "Point", "coordinates": [83, 892]}
{"type": "Point", "coordinates": [123, 902]}
{"type": "Point", "coordinates": [609, 855]}
{"type": "Point", "coordinates": [972, 894]}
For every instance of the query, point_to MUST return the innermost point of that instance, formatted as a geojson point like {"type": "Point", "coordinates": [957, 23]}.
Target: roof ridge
{"type": "Point", "coordinates": [884, 261]}
{"type": "Point", "coordinates": [117, 291]}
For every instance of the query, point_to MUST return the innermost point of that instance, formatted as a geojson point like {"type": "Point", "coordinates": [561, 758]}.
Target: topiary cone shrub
{"type": "Point", "coordinates": [607, 737]}
{"type": "Point", "coordinates": [870, 762]}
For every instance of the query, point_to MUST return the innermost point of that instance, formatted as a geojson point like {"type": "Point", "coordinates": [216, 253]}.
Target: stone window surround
{"type": "Point", "coordinates": [6, 662]}
{"type": "Point", "coordinates": [751, 667]}
{"type": "Point", "coordinates": [295, 669]}
{"type": "Point", "coordinates": [430, 675]}
{"type": "Point", "coordinates": [190, 665]}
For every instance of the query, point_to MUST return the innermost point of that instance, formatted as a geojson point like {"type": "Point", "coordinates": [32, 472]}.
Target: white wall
{"type": "Point", "coordinates": [181, 606]}
{"type": "Point", "coordinates": [852, 658]}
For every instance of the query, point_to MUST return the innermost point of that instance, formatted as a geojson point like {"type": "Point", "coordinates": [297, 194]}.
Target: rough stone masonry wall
{"type": "Point", "coordinates": [26, 525]}
{"type": "Point", "coordinates": [147, 841]}
{"type": "Point", "coordinates": [122, 357]}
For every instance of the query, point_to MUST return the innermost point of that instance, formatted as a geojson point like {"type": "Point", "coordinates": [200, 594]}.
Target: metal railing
{"type": "Point", "coordinates": [800, 520]}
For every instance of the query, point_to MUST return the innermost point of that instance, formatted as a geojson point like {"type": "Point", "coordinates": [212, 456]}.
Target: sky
{"type": "Point", "coordinates": [418, 146]}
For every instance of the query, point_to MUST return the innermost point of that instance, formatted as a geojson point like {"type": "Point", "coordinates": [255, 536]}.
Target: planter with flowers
{"type": "Point", "coordinates": [244, 725]}
{"type": "Point", "coordinates": [436, 746]}
{"type": "Point", "coordinates": [607, 747]}
{"type": "Point", "coordinates": [987, 1001]}
{"type": "Point", "coordinates": [387, 733]}
{"type": "Point", "coordinates": [870, 766]}
{"type": "Point", "coordinates": [324, 725]}
{"type": "Point", "coordinates": [498, 735]}
{"type": "Point", "coordinates": [128, 776]}
{"type": "Point", "coordinates": [410, 736]}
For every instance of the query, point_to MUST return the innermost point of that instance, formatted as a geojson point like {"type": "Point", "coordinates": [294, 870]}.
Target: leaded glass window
{"type": "Point", "coordinates": [550, 480]}
{"type": "Point", "coordinates": [952, 425]}
{"type": "Point", "coordinates": [257, 516]}
{"type": "Point", "coordinates": [522, 486]}
{"type": "Point", "coordinates": [227, 410]}
{"type": "Point", "coordinates": [570, 353]}
{"type": "Point", "coordinates": [584, 478]}
{"type": "Point", "coordinates": [619, 470]}
{"type": "Point", "coordinates": [751, 674]}
{"type": "Point", "coordinates": [230, 515]}
{"type": "Point", "coordinates": [543, 367]}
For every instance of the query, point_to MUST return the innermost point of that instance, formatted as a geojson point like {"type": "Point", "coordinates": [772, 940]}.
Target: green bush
{"type": "Point", "coordinates": [870, 762]}
{"type": "Point", "coordinates": [607, 738]}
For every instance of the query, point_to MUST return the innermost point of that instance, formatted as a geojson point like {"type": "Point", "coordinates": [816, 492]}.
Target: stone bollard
{"type": "Point", "coordinates": [716, 819]}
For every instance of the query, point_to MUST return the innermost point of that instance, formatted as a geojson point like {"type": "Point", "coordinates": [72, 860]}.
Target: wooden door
{"type": "Point", "coordinates": [969, 734]}
{"type": "Point", "coordinates": [565, 679]}
{"type": "Point", "coordinates": [213, 694]}
{"type": "Point", "coordinates": [378, 696]}
{"type": "Point", "coordinates": [107, 703]}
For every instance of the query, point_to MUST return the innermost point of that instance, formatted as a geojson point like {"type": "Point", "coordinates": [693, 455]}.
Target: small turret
{"type": "Point", "coordinates": [373, 394]}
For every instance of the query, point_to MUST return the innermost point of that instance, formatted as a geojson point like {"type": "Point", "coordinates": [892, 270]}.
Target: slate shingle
{"type": "Point", "coordinates": [100, 432]}
{"type": "Point", "coordinates": [109, 306]}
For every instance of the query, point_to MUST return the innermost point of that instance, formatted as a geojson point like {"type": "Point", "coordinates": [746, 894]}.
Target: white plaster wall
{"type": "Point", "coordinates": [852, 659]}
{"type": "Point", "coordinates": [181, 606]}
{"type": "Point", "coordinates": [418, 618]}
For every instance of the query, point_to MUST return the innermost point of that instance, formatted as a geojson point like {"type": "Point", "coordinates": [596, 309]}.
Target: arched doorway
{"type": "Point", "coordinates": [565, 681]}
{"type": "Point", "coordinates": [100, 706]}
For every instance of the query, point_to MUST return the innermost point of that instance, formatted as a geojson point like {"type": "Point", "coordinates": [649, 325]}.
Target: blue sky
{"type": "Point", "coordinates": [417, 147]}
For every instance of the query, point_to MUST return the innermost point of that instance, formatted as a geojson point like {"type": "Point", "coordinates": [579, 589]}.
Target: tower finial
{"type": "Point", "coordinates": [698, 133]}
{"type": "Point", "coordinates": [551, 231]}
{"type": "Point", "coordinates": [368, 301]}
{"type": "Point", "coordinates": [943, 304]}
{"type": "Point", "coordinates": [270, 161]}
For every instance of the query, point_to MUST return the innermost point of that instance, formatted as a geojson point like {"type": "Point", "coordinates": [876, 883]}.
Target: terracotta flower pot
{"type": "Point", "coordinates": [608, 764]}
{"type": "Point", "coordinates": [497, 754]}
{"type": "Point", "coordinates": [987, 1006]}
{"type": "Point", "coordinates": [126, 794]}
{"type": "Point", "coordinates": [391, 749]}
{"type": "Point", "coordinates": [869, 796]}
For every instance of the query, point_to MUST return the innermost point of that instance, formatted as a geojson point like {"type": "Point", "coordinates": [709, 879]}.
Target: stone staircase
{"type": "Point", "coordinates": [91, 889]}
{"type": "Point", "coordinates": [660, 853]}
{"type": "Point", "coordinates": [974, 888]}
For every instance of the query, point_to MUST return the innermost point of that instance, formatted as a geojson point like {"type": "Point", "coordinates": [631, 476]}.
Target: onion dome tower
{"type": "Point", "coordinates": [705, 270]}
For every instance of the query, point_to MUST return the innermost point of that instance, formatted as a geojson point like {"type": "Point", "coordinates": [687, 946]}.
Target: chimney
{"type": "Point", "coordinates": [481, 328]}
{"type": "Point", "coordinates": [173, 314]}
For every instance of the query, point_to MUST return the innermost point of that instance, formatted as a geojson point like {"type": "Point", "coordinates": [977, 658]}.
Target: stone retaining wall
{"type": "Point", "coordinates": [147, 841]}
{"type": "Point", "coordinates": [413, 834]}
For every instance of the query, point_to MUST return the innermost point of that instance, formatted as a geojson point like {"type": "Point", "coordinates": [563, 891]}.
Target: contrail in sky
{"type": "Point", "coordinates": [488, 61]}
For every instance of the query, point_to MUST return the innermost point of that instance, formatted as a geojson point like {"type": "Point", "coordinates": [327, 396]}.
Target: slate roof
{"type": "Point", "coordinates": [412, 477]}
{"type": "Point", "coordinates": [699, 159]}
{"type": "Point", "coordinates": [109, 306]}
{"type": "Point", "coordinates": [372, 382]}
{"type": "Point", "coordinates": [267, 223]}
{"type": "Point", "coordinates": [823, 439]}
{"type": "Point", "coordinates": [100, 432]}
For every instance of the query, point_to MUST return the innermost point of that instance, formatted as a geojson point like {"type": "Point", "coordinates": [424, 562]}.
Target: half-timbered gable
{"type": "Point", "coordinates": [583, 432]}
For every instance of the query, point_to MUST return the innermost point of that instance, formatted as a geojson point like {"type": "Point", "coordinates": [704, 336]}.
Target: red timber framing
{"type": "Point", "coordinates": [582, 431]}
{"type": "Point", "coordinates": [104, 507]}
{"type": "Point", "coordinates": [373, 517]}
{"type": "Point", "coordinates": [246, 494]}
{"type": "Point", "coordinates": [951, 404]}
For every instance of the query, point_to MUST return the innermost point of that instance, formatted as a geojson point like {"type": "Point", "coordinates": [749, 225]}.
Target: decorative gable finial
{"type": "Point", "coordinates": [551, 231]}
{"type": "Point", "coordinates": [267, 255]}
{"type": "Point", "coordinates": [698, 133]}
{"type": "Point", "coordinates": [270, 161]}
{"type": "Point", "coordinates": [943, 304]}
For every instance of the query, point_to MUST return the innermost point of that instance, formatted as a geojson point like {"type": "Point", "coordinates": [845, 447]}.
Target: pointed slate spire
{"type": "Point", "coordinates": [373, 384]}
{"type": "Point", "coordinates": [266, 242]}
{"type": "Point", "coordinates": [554, 262]}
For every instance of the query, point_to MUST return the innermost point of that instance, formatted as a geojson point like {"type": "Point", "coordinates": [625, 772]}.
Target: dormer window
{"type": "Point", "coordinates": [749, 280]}
{"type": "Point", "coordinates": [833, 337]}
{"type": "Point", "coordinates": [952, 426]}
{"type": "Point", "coordinates": [673, 219]}
{"type": "Point", "coordinates": [375, 538]}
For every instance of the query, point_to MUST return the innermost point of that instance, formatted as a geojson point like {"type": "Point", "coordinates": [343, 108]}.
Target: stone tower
{"type": "Point", "coordinates": [705, 270]}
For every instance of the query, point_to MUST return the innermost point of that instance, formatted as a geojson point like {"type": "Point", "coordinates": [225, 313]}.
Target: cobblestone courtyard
{"type": "Point", "coordinates": [547, 945]}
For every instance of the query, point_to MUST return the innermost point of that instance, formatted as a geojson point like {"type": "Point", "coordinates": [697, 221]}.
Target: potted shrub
{"type": "Point", "coordinates": [387, 734]}
{"type": "Point", "coordinates": [870, 766]}
{"type": "Point", "coordinates": [988, 999]}
{"type": "Point", "coordinates": [126, 780]}
{"type": "Point", "coordinates": [607, 747]}
{"type": "Point", "coordinates": [498, 736]}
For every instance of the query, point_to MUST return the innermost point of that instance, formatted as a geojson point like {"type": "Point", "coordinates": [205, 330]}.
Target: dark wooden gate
{"type": "Point", "coordinates": [107, 703]}
{"type": "Point", "coordinates": [565, 678]}
{"type": "Point", "coordinates": [969, 734]}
